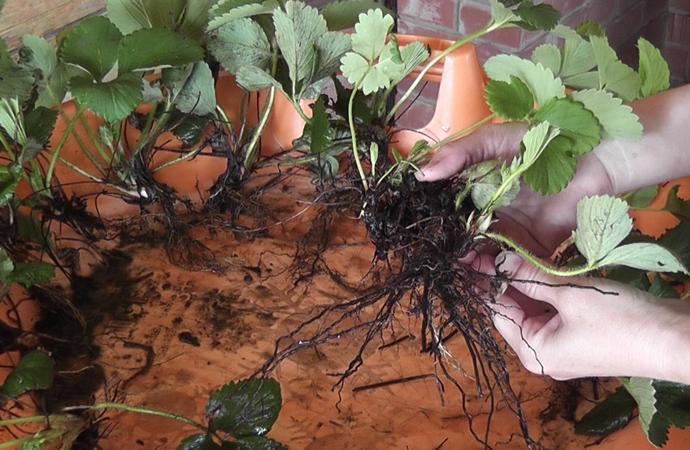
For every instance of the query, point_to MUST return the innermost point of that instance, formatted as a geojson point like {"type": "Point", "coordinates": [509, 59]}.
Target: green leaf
{"type": "Point", "coordinates": [613, 74]}
{"type": "Point", "coordinates": [196, 18]}
{"type": "Point", "coordinates": [102, 35]}
{"type": "Point", "coordinates": [485, 186]}
{"type": "Point", "coordinates": [374, 157]}
{"type": "Point", "coordinates": [549, 56]}
{"type": "Point", "coordinates": [31, 274]}
{"type": "Point", "coordinates": [128, 15]}
{"type": "Point", "coordinates": [240, 43]}
{"type": "Point", "coordinates": [611, 415]}
{"type": "Point", "coordinates": [642, 198]}
{"type": "Point", "coordinates": [371, 33]}
{"type": "Point", "coordinates": [574, 121]}
{"type": "Point", "coordinates": [246, 408]}
{"type": "Point", "coordinates": [113, 100]}
{"type": "Point", "coordinates": [655, 427]}
{"type": "Point", "coordinates": [357, 70]}
{"type": "Point", "coordinates": [554, 169]}
{"type": "Point", "coordinates": [199, 442]}
{"type": "Point", "coordinates": [643, 256]}
{"type": "Point", "coordinates": [39, 124]}
{"type": "Point", "coordinates": [320, 129]}
{"type": "Point", "coordinates": [11, 120]}
{"type": "Point", "coordinates": [6, 265]}
{"type": "Point", "coordinates": [578, 55]}
{"type": "Point", "coordinates": [254, 79]}
{"type": "Point", "coordinates": [196, 93]}
{"type": "Point", "coordinates": [677, 240]}
{"type": "Point", "coordinates": [535, 142]}
{"type": "Point", "coordinates": [344, 14]}
{"type": "Point", "coordinates": [602, 224]}
{"type": "Point", "coordinates": [590, 28]}
{"type": "Point", "coordinates": [9, 180]}
{"type": "Point", "coordinates": [153, 48]}
{"type": "Point", "coordinates": [34, 372]}
{"type": "Point", "coordinates": [250, 10]}
{"type": "Point", "coordinates": [331, 47]}
{"type": "Point", "coordinates": [165, 14]}
{"type": "Point", "coordinates": [500, 14]}
{"type": "Point", "coordinates": [17, 81]}
{"type": "Point", "coordinates": [222, 7]}
{"type": "Point", "coordinates": [38, 54]}
{"type": "Point", "coordinates": [661, 289]}
{"type": "Point", "coordinates": [676, 205]}
{"type": "Point", "coordinates": [409, 58]}
{"type": "Point", "coordinates": [510, 101]}
{"type": "Point", "coordinates": [673, 402]}
{"type": "Point", "coordinates": [541, 81]}
{"type": "Point", "coordinates": [192, 129]}
{"type": "Point", "coordinates": [618, 120]}
{"type": "Point", "coordinates": [655, 74]}
{"type": "Point", "coordinates": [297, 30]}
{"type": "Point", "coordinates": [256, 443]}
{"type": "Point", "coordinates": [537, 17]}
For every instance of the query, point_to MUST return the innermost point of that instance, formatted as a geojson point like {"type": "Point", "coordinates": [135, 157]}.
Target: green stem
{"type": "Point", "coordinates": [5, 144]}
{"type": "Point", "coordinates": [178, 160]}
{"type": "Point", "coordinates": [430, 65]}
{"type": "Point", "coordinates": [300, 111]}
{"type": "Point", "coordinates": [16, 443]}
{"type": "Point", "coordinates": [538, 263]}
{"type": "Point", "coordinates": [146, 411]}
{"type": "Point", "coordinates": [353, 132]}
{"type": "Point", "coordinates": [462, 133]}
{"type": "Point", "coordinates": [58, 150]}
{"type": "Point", "coordinates": [96, 179]}
{"type": "Point", "coordinates": [22, 421]}
{"type": "Point", "coordinates": [80, 141]}
{"type": "Point", "coordinates": [253, 148]}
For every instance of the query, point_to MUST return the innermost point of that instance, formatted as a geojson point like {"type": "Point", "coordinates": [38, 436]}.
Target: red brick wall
{"type": "Point", "coordinates": [666, 23]}
{"type": "Point", "coordinates": [677, 48]}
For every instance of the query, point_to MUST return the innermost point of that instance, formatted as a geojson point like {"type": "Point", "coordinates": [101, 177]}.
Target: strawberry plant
{"type": "Point", "coordinates": [239, 414]}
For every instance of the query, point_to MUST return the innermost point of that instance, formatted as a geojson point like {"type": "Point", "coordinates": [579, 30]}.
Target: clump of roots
{"type": "Point", "coordinates": [417, 231]}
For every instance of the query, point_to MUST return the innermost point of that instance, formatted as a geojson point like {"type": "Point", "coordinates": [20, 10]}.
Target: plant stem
{"type": "Point", "coordinates": [180, 159]}
{"type": "Point", "coordinates": [58, 150]}
{"type": "Point", "coordinates": [22, 421]}
{"type": "Point", "coordinates": [146, 411]}
{"type": "Point", "coordinates": [253, 148]}
{"type": "Point", "coordinates": [300, 111]}
{"type": "Point", "coordinates": [430, 65]}
{"type": "Point", "coordinates": [16, 443]}
{"type": "Point", "coordinates": [353, 132]}
{"type": "Point", "coordinates": [462, 133]}
{"type": "Point", "coordinates": [538, 263]}
{"type": "Point", "coordinates": [97, 180]}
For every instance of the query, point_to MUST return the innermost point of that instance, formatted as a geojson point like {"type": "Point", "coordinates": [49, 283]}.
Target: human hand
{"type": "Point", "coordinates": [538, 223]}
{"type": "Point", "coordinates": [588, 327]}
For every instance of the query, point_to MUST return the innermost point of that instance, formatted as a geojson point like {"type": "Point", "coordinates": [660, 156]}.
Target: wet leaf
{"type": "Point", "coordinates": [245, 408]}
{"type": "Point", "coordinates": [39, 124]}
{"type": "Point", "coordinates": [34, 372]}
{"type": "Point", "coordinates": [612, 414]}
{"type": "Point", "coordinates": [200, 442]}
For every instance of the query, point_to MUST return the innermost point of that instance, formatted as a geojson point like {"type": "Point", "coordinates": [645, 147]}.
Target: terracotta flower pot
{"type": "Point", "coordinates": [461, 101]}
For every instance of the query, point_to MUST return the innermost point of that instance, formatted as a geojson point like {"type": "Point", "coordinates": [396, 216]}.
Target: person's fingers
{"type": "Point", "coordinates": [529, 280]}
{"type": "Point", "coordinates": [489, 143]}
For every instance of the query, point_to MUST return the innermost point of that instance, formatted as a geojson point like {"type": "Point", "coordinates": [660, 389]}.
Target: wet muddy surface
{"type": "Point", "coordinates": [164, 337]}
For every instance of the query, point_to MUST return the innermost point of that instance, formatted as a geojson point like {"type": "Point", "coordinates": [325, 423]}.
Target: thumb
{"type": "Point", "coordinates": [490, 142]}
{"type": "Point", "coordinates": [529, 280]}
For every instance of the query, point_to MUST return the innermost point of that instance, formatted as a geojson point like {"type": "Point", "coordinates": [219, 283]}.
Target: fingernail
{"type": "Point", "coordinates": [508, 263]}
